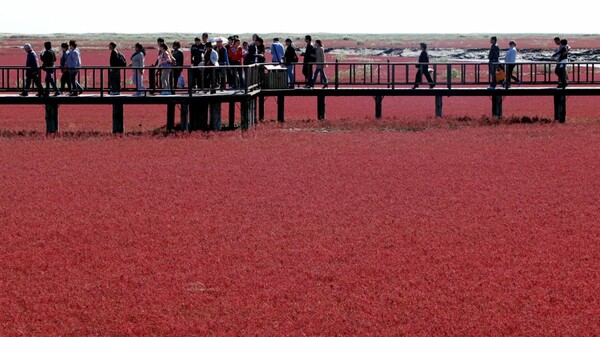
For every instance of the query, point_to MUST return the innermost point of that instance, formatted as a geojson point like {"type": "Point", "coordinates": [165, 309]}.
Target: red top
{"type": "Point", "coordinates": [236, 55]}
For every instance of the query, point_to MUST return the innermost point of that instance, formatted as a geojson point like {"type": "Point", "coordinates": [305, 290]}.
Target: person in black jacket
{"type": "Point", "coordinates": [494, 58]}
{"type": "Point", "coordinates": [197, 53]}
{"type": "Point", "coordinates": [114, 75]}
{"type": "Point", "coordinates": [178, 56]}
{"type": "Point", "coordinates": [423, 68]}
{"type": "Point", "coordinates": [310, 57]}
{"type": "Point", "coordinates": [290, 58]}
{"type": "Point", "coordinates": [256, 51]}
{"type": "Point", "coordinates": [48, 59]}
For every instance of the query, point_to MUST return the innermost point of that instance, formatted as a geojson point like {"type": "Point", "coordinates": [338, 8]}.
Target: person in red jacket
{"type": "Point", "coordinates": [236, 58]}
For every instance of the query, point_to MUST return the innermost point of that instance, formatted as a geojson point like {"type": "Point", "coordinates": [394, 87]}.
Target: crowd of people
{"type": "Point", "coordinates": [205, 52]}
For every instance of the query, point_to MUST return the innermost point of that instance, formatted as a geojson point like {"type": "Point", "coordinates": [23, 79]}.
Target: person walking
{"type": "Point", "coordinates": [277, 51]}
{"type": "Point", "coordinates": [494, 58]}
{"type": "Point", "coordinates": [137, 63]}
{"type": "Point", "coordinates": [320, 66]}
{"type": "Point", "coordinates": [48, 59]}
{"type": "Point", "coordinates": [65, 77]}
{"type": "Point", "coordinates": [423, 68]}
{"type": "Point", "coordinates": [309, 58]}
{"type": "Point", "coordinates": [117, 60]}
{"type": "Point", "coordinates": [74, 63]}
{"type": "Point", "coordinates": [562, 54]}
{"type": "Point", "coordinates": [165, 62]}
{"type": "Point", "coordinates": [510, 60]}
{"type": "Point", "coordinates": [290, 58]}
{"type": "Point", "coordinates": [32, 74]}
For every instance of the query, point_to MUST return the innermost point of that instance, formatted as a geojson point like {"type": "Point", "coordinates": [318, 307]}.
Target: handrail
{"type": "Point", "coordinates": [391, 75]}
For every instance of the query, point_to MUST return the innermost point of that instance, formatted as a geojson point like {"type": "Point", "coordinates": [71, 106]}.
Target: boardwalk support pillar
{"type": "Point", "coordinates": [184, 117]}
{"type": "Point", "coordinates": [232, 115]}
{"type": "Point", "coordinates": [321, 107]}
{"type": "Point", "coordinates": [51, 118]}
{"type": "Point", "coordinates": [378, 106]}
{"type": "Point", "coordinates": [560, 108]}
{"type": "Point", "coordinates": [215, 116]}
{"type": "Point", "coordinates": [117, 117]}
{"type": "Point", "coordinates": [261, 108]}
{"type": "Point", "coordinates": [497, 106]}
{"type": "Point", "coordinates": [253, 106]}
{"type": "Point", "coordinates": [248, 112]}
{"type": "Point", "coordinates": [198, 116]}
{"type": "Point", "coordinates": [438, 106]}
{"type": "Point", "coordinates": [281, 108]}
{"type": "Point", "coordinates": [170, 116]}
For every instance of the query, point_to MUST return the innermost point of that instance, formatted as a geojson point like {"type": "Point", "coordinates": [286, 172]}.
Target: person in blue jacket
{"type": "Point", "coordinates": [74, 63]}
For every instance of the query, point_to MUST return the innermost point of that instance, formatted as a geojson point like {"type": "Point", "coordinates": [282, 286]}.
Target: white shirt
{"type": "Point", "coordinates": [511, 55]}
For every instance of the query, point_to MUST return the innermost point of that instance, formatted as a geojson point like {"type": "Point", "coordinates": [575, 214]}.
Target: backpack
{"type": "Point", "coordinates": [122, 61]}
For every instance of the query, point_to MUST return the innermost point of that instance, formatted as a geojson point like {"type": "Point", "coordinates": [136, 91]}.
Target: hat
{"type": "Point", "coordinates": [27, 46]}
{"type": "Point", "coordinates": [219, 39]}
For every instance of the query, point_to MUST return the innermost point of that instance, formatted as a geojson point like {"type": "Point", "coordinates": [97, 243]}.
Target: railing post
{"type": "Point", "coordinates": [393, 76]}
{"type": "Point", "coordinates": [254, 106]}
{"type": "Point", "coordinates": [101, 83]}
{"type": "Point", "coordinates": [246, 79]}
{"type": "Point", "coordinates": [449, 75]}
{"type": "Point", "coordinates": [337, 74]}
{"type": "Point", "coordinates": [191, 80]}
{"type": "Point", "coordinates": [388, 73]}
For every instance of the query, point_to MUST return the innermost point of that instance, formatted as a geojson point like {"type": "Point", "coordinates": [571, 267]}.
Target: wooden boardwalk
{"type": "Point", "coordinates": [377, 80]}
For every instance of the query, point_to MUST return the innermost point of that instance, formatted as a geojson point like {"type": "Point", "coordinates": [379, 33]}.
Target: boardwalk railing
{"type": "Point", "coordinates": [391, 75]}
{"type": "Point", "coordinates": [394, 74]}
{"type": "Point", "coordinates": [95, 79]}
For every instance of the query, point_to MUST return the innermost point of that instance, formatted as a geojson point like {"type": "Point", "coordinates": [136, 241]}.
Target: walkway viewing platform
{"type": "Point", "coordinates": [211, 88]}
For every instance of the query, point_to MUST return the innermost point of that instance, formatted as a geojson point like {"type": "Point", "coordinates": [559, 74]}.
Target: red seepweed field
{"type": "Point", "coordinates": [408, 226]}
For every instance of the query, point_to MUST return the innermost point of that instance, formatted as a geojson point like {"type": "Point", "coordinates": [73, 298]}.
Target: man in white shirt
{"type": "Point", "coordinates": [510, 61]}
